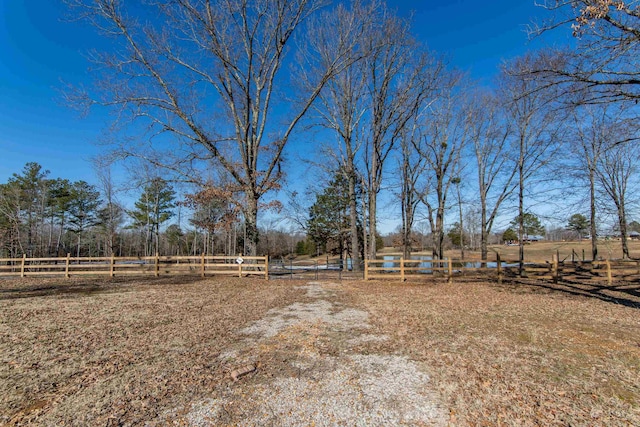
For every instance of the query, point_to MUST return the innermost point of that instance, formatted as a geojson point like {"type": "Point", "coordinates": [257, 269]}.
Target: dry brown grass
{"type": "Point", "coordinates": [517, 354]}
{"type": "Point", "coordinates": [109, 353]}
{"type": "Point", "coordinates": [99, 352]}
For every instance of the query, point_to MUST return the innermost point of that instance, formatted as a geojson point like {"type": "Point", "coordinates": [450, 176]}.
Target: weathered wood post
{"type": "Point", "coordinates": [499, 268]}
{"type": "Point", "coordinates": [608, 272]}
{"type": "Point", "coordinates": [402, 269]}
{"type": "Point", "coordinates": [112, 263]}
{"type": "Point", "coordinates": [366, 269]}
{"type": "Point", "coordinates": [24, 258]}
{"type": "Point", "coordinates": [157, 265]}
{"type": "Point", "coordinates": [202, 265]}
{"type": "Point", "coordinates": [66, 267]}
{"type": "Point", "coordinates": [239, 261]}
{"type": "Point", "coordinates": [450, 270]}
{"type": "Point", "coordinates": [266, 267]}
{"type": "Point", "coordinates": [554, 260]}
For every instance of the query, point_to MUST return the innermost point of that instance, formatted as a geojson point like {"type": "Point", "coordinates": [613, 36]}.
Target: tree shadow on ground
{"type": "Point", "coordinates": [626, 293]}
{"type": "Point", "coordinates": [46, 288]}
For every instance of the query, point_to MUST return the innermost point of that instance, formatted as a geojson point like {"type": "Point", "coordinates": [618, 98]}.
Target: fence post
{"type": "Point", "coordinates": [266, 267]}
{"type": "Point", "coordinates": [24, 258]}
{"type": "Point", "coordinates": [499, 268]}
{"type": "Point", "coordinates": [450, 268]}
{"type": "Point", "coordinates": [66, 268]}
{"type": "Point", "coordinates": [608, 271]}
{"type": "Point", "coordinates": [239, 266]}
{"type": "Point", "coordinates": [202, 265]}
{"type": "Point", "coordinates": [554, 259]}
{"type": "Point", "coordinates": [366, 270]}
{"type": "Point", "coordinates": [157, 266]}
{"type": "Point", "coordinates": [112, 265]}
{"type": "Point", "coordinates": [402, 269]}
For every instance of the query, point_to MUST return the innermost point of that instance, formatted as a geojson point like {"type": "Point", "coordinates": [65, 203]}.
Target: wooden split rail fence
{"type": "Point", "coordinates": [400, 268]}
{"type": "Point", "coordinates": [384, 268]}
{"type": "Point", "coordinates": [202, 265]}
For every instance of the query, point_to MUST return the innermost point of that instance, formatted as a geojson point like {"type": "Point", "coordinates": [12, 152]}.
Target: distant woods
{"type": "Point", "coordinates": [218, 94]}
{"type": "Point", "coordinates": [41, 216]}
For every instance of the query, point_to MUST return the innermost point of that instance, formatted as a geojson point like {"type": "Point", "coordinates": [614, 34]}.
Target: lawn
{"type": "Point", "coordinates": [123, 352]}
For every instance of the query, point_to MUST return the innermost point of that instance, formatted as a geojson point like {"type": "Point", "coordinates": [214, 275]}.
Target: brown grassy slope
{"type": "Point", "coordinates": [96, 352]}
{"type": "Point", "coordinates": [517, 354]}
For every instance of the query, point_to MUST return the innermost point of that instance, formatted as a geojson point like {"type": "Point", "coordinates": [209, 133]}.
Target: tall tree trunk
{"type": "Point", "coordinates": [622, 222]}
{"type": "Point", "coordinates": [521, 209]}
{"type": "Point", "coordinates": [592, 217]}
{"type": "Point", "coordinates": [440, 232]}
{"type": "Point", "coordinates": [353, 222]}
{"type": "Point", "coordinates": [484, 229]}
{"type": "Point", "coordinates": [461, 222]}
{"type": "Point", "coordinates": [60, 234]}
{"type": "Point", "coordinates": [251, 227]}
{"type": "Point", "coordinates": [365, 225]}
{"type": "Point", "coordinates": [372, 224]}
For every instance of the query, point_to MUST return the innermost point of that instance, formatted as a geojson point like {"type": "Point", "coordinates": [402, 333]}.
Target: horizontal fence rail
{"type": "Point", "coordinates": [396, 268]}
{"type": "Point", "coordinates": [402, 269]}
{"type": "Point", "coordinates": [202, 265]}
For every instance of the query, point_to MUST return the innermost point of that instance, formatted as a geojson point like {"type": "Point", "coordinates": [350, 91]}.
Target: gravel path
{"type": "Point", "coordinates": [316, 364]}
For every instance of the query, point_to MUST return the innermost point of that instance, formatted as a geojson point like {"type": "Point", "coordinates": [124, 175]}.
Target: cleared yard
{"type": "Point", "coordinates": [158, 352]}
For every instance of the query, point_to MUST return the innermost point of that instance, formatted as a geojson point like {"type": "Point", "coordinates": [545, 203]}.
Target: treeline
{"type": "Point", "coordinates": [42, 216]}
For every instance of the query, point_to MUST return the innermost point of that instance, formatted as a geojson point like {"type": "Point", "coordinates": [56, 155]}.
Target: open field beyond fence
{"type": "Point", "coordinates": [163, 351]}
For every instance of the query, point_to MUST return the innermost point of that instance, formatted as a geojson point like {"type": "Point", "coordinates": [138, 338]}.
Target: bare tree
{"type": "Point", "coordinates": [536, 124]}
{"type": "Point", "coordinates": [186, 68]}
{"type": "Point", "coordinates": [11, 218]}
{"type": "Point", "coordinates": [369, 103]}
{"type": "Point", "coordinates": [342, 103]}
{"type": "Point", "coordinates": [490, 133]}
{"type": "Point", "coordinates": [444, 133]}
{"type": "Point", "coordinates": [111, 214]}
{"type": "Point", "coordinates": [410, 168]}
{"type": "Point", "coordinates": [457, 181]}
{"type": "Point", "coordinates": [401, 77]}
{"type": "Point", "coordinates": [592, 125]}
{"type": "Point", "coordinates": [605, 59]}
{"type": "Point", "coordinates": [615, 173]}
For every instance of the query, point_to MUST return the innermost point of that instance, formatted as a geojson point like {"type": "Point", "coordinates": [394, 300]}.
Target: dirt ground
{"type": "Point", "coordinates": [166, 352]}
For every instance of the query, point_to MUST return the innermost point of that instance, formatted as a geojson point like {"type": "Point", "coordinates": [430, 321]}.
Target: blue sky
{"type": "Point", "coordinates": [40, 52]}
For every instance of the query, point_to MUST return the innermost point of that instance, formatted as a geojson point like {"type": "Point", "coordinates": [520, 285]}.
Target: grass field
{"type": "Point", "coordinates": [99, 352]}
{"type": "Point", "coordinates": [543, 251]}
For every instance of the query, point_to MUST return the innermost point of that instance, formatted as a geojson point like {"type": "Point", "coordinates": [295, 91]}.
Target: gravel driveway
{"type": "Point", "coordinates": [317, 362]}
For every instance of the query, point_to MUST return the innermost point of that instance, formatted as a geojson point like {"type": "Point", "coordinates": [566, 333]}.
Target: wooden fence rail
{"type": "Point", "coordinates": [388, 268]}
{"type": "Point", "coordinates": [202, 265]}
{"type": "Point", "coordinates": [556, 270]}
